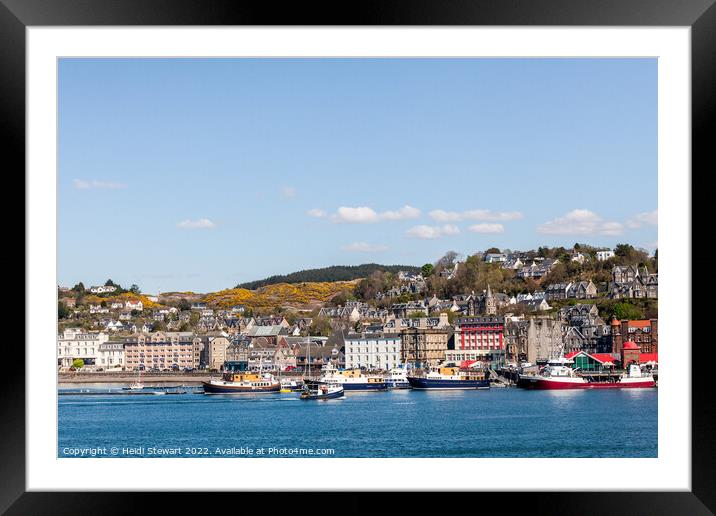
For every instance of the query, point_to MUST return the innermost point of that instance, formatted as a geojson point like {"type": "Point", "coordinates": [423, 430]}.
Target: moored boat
{"type": "Point", "coordinates": [397, 378]}
{"type": "Point", "coordinates": [558, 374]}
{"type": "Point", "coordinates": [353, 380]}
{"type": "Point", "coordinates": [242, 383]}
{"type": "Point", "coordinates": [449, 377]}
{"type": "Point", "coordinates": [288, 385]}
{"type": "Point", "coordinates": [322, 391]}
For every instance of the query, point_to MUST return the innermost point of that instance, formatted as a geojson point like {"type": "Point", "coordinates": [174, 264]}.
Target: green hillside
{"type": "Point", "coordinates": [333, 273]}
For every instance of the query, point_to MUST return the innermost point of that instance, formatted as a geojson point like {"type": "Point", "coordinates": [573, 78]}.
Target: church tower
{"type": "Point", "coordinates": [490, 304]}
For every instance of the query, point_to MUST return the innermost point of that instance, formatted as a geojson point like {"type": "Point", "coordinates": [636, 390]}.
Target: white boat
{"type": "Point", "coordinates": [397, 378]}
{"type": "Point", "coordinates": [138, 385]}
{"type": "Point", "coordinates": [558, 374]}
{"type": "Point", "coordinates": [352, 379]}
{"type": "Point", "coordinates": [322, 391]}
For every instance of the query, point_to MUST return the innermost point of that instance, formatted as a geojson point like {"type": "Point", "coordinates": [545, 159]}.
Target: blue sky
{"type": "Point", "coordinates": [197, 174]}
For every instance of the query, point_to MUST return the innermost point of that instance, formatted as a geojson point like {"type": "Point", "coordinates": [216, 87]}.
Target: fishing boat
{"type": "Point", "coordinates": [242, 383]}
{"type": "Point", "coordinates": [353, 379]}
{"type": "Point", "coordinates": [559, 374]}
{"type": "Point", "coordinates": [322, 391]}
{"type": "Point", "coordinates": [448, 377]}
{"type": "Point", "coordinates": [397, 378]}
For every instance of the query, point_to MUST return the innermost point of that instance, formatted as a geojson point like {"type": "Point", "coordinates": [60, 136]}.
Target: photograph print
{"type": "Point", "coordinates": [357, 258]}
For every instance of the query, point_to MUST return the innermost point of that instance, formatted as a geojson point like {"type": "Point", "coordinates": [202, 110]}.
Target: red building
{"type": "Point", "coordinates": [644, 333]}
{"type": "Point", "coordinates": [478, 338]}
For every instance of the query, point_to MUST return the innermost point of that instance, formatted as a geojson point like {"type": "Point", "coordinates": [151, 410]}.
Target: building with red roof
{"type": "Point", "coordinates": [644, 333]}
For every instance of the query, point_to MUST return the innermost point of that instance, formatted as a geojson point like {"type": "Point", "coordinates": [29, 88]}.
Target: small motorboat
{"type": "Point", "coordinates": [322, 391]}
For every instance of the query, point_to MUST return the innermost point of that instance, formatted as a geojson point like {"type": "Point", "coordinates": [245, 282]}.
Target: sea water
{"type": "Point", "coordinates": [500, 422]}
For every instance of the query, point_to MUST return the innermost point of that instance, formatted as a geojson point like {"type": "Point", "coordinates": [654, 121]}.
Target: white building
{"type": "Point", "coordinates": [103, 289]}
{"type": "Point", "coordinates": [76, 343]}
{"type": "Point", "coordinates": [98, 309]}
{"type": "Point", "coordinates": [372, 350]}
{"type": "Point", "coordinates": [578, 257]}
{"type": "Point", "coordinates": [605, 255]}
{"type": "Point", "coordinates": [134, 304]}
{"type": "Point", "coordinates": [111, 356]}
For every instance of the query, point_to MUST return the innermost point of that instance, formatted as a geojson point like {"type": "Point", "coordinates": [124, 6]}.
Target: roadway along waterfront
{"type": "Point", "coordinates": [506, 422]}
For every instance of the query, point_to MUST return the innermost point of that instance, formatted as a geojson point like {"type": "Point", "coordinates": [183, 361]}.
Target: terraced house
{"type": "Point", "coordinates": [77, 343]}
{"type": "Point", "coordinates": [372, 350]}
{"type": "Point", "coordinates": [633, 282]}
{"type": "Point", "coordinates": [425, 342]}
{"type": "Point", "coordinates": [162, 350]}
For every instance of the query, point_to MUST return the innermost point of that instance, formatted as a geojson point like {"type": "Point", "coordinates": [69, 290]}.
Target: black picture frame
{"type": "Point", "coordinates": [700, 15]}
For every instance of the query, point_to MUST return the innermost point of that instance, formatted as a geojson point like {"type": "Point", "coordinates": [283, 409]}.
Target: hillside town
{"type": "Point", "coordinates": [495, 308]}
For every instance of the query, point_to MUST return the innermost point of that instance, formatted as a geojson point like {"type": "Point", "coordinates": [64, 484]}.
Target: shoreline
{"type": "Point", "coordinates": [130, 378]}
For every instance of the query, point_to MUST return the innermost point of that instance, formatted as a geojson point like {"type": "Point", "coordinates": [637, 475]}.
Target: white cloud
{"type": "Point", "coordinates": [432, 232]}
{"type": "Point", "coordinates": [650, 218]}
{"type": "Point", "coordinates": [580, 222]}
{"type": "Point", "coordinates": [82, 184]}
{"type": "Point", "coordinates": [288, 192]}
{"type": "Point", "coordinates": [366, 215]}
{"type": "Point", "coordinates": [316, 212]}
{"type": "Point", "coordinates": [196, 224]}
{"type": "Point", "coordinates": [406, 212]}
{"type": "Point", "coordinates": [364, 247]}
{"type": "Point", "coordinates": [488, 215]}
{"type": "Point", "coordinates": [487, 228]}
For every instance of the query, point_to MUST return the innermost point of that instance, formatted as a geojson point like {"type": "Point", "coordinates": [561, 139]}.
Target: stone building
{"type": "Point", "coordinates": [422, 345]}
{"type": "Point", "coordinates": [472, 305]}
{"type": "Point", "coordinates": [644, 333]}
{"type": "Point", "coordinates": [532, 339]}
{"type": "Point", "coordinates": [630, 281]}
{"type": "Point", "coordinates": [584, 330]}
{"type": "Point", "coordinates": [213, 354]}
{"type": "Point", "coordinates": [544, 339]}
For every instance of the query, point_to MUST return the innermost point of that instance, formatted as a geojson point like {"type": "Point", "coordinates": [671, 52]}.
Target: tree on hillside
{"type": "Point", "coordinates": [184, 305]}
{"type": "Point", "coordinates": [558, 274]}
{"type": "Point", "coordinates": [339, 299]}
{"type": "Point", "coordinates": [447, 261]}
{"type": "Point", "coordinates": [321, 326]}
{"type": "Point", "coordinates": [426, 270]}
{"type": "Point", "coordinates": [134, 289]}
{"type": "Point", "coordinates": [109, 283]}
{"type": "Point", "coordinates": [62, 311]}
{"type": "Point", "coordinates": [378, 281]}
{"type": "Point", "coordinates": [492, 250]}
{"type": "Point", "coordinates": [80, 287]}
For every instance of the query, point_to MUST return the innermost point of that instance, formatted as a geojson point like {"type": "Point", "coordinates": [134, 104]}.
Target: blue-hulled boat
{"type": "Point", "coordinates": [449, 378]}
{"type": "Point", "coordinates": [322, 391]}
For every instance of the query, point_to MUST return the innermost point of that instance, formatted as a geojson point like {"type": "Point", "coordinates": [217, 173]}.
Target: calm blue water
{"type": "Point", "coordinates": [504, 422]}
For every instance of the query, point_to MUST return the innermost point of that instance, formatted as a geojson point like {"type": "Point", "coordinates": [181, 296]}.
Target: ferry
{"type": "Point", "coordinates": [322, 391]}
{"type": "Point", "coordinates": [242, 383]}
{"type": "Point", "coordinates": [558, 374]}
{"type": "Point", "coordinates": [448, 378]}
{"type": "Point", "coordinates": [353, 379]}
{"type": "Point", "coordinates": [397, 378]}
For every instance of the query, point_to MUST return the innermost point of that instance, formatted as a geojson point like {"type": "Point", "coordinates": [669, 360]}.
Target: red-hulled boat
{"type": "Point", "coordinates": [558, 374]}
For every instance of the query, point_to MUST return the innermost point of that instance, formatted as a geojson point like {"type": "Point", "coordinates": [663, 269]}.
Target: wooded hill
{"type": "Point", "coordinates": [327, 274]}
